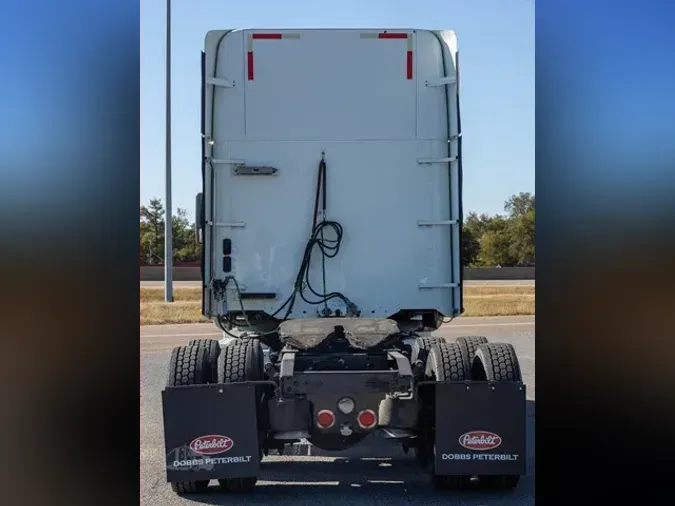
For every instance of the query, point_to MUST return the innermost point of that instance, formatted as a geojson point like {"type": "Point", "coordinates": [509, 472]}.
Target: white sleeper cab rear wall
{"type": "Point", "coordinates": [381, 108]}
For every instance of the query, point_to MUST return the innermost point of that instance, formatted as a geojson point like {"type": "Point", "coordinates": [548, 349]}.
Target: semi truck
{"type": "Point", "coordinates": [330, 220]}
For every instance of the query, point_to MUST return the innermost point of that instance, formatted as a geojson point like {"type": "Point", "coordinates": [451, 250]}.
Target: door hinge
{"type": "Point", "coordinates": [220, 81]}
{"type": "Point", "coordinates": [440, 81]}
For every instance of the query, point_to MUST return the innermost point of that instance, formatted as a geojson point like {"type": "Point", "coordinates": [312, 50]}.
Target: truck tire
{"type": "Point", "coordinates": [421, 346]}
{"type": "Point", "coordinates": [212, 352]}
{"type": "Point", "coordinates": [241, 361]}
{"type": "Point", "coordinates": [446, 362]}
{"type": "Point", "coordinates": [188, 365]}
{"type": "Point", "coordinates": [470, 344]}
{"type": "Point", "coordinates": [420, 351]}
{"type": "Point", "coordinates": [496, 362]}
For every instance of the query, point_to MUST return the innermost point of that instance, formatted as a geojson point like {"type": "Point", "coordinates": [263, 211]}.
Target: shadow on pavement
{"type": "Point", "coordinates": [352, 478]}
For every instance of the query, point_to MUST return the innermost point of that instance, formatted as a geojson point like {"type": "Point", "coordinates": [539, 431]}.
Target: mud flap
{"type": "Point", "coordinates": [210, 432]}
{"type": "Point", "coordinates": [480, 428]}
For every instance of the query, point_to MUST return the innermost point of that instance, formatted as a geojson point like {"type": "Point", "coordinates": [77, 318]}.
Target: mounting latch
{"type": "Point", "coordinates": [254, 170]}
{"type": "Point", "coordinates": [440, 81]}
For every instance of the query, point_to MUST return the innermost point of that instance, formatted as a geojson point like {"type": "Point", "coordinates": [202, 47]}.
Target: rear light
{"type": "Point", "coordinates": [325, 419]}
{"type": "Point", "coordinates": [367, 419]}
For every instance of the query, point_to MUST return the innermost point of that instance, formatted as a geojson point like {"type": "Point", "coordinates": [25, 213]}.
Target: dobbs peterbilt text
{"type": "Point", "coordinates": [206, 461]}
{"type": "Point", "coordinates": [480, 456]}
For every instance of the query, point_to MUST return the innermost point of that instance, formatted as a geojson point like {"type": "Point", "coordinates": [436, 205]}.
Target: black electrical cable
{"type": "Point", "coordinates": [322, 165]}
{"type": "Point", "coordinates": [329, 249]}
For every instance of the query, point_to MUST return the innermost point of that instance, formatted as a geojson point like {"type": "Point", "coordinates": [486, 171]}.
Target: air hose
{"type": "Point", "coordinates": [329, 249]}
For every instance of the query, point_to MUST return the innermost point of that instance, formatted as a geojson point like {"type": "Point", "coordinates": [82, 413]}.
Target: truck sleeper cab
{"type": "Point", "coordinates": [331, 225]}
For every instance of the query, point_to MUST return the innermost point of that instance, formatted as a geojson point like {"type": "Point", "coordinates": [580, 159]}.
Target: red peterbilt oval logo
{"type": "Point", "coordinates": [480, 440]}
{"type": "Point", "coordinates": [211, 445]}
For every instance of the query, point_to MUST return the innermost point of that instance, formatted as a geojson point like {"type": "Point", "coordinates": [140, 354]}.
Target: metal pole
{"type": "Point", "coordinates": [168, 239]}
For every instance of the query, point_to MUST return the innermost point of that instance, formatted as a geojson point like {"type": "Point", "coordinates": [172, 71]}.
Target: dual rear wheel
{"type": "Point", "coordinates": [469, 358]}
{"type": "Point", "coordinates": [202, 361]}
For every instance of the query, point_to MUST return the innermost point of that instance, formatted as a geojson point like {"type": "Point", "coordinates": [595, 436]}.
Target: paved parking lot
{"type": "Point", "coordinates": [375, 472]}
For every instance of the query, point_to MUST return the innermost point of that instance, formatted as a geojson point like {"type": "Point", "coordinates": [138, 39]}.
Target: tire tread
{"type": "Point", "coordinates": [447, 362]}
{"type": "Point", "coordinates": [497, 362]}
{"type": "Point", "coordinates": [188, 365]}
{"type": "Point", "coordinates": [240, 361]}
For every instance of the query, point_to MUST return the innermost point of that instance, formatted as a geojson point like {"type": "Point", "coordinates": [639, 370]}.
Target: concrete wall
{"type": "Point", "coordinates": [192, 273]}
{"type": "Point", "coordinates": [180, 273]}
{"type": "Point", "coordinates": [502, 273]}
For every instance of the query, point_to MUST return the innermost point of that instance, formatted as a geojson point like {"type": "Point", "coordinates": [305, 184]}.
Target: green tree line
{"type": "Point", "coordinates": [185, 246]}
{"type": "Point", "coordinates": [505, 241]}
{"type": "Point", "coordinates": [487, 241]}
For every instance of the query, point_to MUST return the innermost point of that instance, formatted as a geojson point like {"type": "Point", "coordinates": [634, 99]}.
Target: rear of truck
{"type": "Point", "coordinates": [380, 108]}
{"type": "Point", "coordinates": [331, 224]}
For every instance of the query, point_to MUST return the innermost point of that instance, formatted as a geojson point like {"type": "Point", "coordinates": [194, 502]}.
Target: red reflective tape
{"type": "Point", "coordinates": [390, 35]}
{"type": "Point", "coordinates": [250, 65]}
{"type": "Point", "coordinates": [409, 62]}
{"type": "Point", "coordinates": [267, 36]}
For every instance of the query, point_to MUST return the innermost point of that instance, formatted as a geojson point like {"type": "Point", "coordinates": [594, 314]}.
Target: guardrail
{"type": "Point", "coordinates": [192, 272]}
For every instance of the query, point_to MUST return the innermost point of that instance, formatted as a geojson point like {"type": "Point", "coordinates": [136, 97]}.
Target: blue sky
{"type": "Point", "coordinates": [496, 41]}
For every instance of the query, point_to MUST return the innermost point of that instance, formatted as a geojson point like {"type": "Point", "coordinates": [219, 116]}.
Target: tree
{"type": "Point", "coordinates": [477, 224]}
{"type": "Point", "coordinates": [152, 232]}
{"type": "Point", "coordinates": [185, 247]}
{"type": "Point", "coordinates": [521, 249]}
{"type": "Point", "coordinates": [521, 209]}
{"type": "Point", "coordinates": [519, 205]}
{"type": "Point", "coordinates": [495, 243]}
{"type": "Point", "coordinates": [501, 240]}
{"type": "Point", "coordinates": [470, 247]}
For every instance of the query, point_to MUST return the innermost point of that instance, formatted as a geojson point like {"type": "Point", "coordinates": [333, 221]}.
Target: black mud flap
{"type": "Point", "coordinates": [210, 432]}
{"type": "Point", "coordinates": [480, 428]}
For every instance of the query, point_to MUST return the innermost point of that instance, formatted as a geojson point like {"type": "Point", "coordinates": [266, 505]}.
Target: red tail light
{"type": "Point", "coordinates": [367, 419]}
{"type": "Point", "coordinates": [325, 419]}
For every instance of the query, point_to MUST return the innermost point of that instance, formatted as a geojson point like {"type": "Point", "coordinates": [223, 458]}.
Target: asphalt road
{"type": "Point", "coordinates": [467, 282]}
{"type": "Point", "coordinates": [375, 472]}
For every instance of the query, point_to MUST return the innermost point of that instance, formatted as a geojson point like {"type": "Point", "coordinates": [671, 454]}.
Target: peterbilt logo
{"type": "Point", "coordinates": [211, 445]}
{"type": "Point", "coordinates": [480, 440]}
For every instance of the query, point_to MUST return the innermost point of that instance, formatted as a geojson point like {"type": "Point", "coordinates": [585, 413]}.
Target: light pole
{"type": "Point", "coordinates": [168, 239]}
